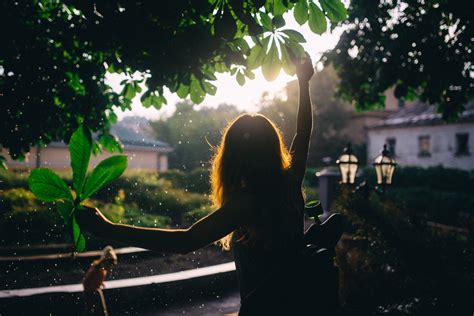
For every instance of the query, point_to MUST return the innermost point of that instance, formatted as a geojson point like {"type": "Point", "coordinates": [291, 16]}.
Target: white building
{"type": "Point", "coordinates": [143, 151]}
{"type": "Point", "coordinates": [417, 136]}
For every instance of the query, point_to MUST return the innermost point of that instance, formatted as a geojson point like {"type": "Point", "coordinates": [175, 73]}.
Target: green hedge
{"type": "Point", "coordinates": [138, 198]}
{"type": "Point", "coordinates": [434, 178]}
{"type": "Point", "coordinates": [393, 264]}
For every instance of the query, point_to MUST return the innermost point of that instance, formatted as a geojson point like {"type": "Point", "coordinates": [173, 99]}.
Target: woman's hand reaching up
{"type": "Point", "coordinates": [305, 70]}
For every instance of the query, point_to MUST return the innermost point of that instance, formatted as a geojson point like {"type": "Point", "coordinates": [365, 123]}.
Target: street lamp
{"type": "Point", "coordinates": [347, 163]}
{"type": "Point", "coordinates": [384, 166]}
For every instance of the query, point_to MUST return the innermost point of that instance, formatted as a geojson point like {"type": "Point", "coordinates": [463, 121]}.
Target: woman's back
{"type": "Point", "coordinates": [274, 236]}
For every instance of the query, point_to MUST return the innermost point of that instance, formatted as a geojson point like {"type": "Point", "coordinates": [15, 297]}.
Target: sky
{"type": "Point", "coordinates": [245, 97]}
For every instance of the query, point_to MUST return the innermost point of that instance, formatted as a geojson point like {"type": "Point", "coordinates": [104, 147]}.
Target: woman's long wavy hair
{"type": "Point", "coordinates": [251, 155]}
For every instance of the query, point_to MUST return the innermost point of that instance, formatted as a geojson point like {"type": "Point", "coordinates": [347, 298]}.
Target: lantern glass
{"type": "Point", "coordinates": [348, 165]}
{"type": "Point", "coordinates": [384, 168]}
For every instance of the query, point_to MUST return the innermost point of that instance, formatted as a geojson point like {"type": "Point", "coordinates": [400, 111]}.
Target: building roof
{"type": "Point", "coordinates": [423, 114]}
{"type": "Point", "coordinates": [135, 134]}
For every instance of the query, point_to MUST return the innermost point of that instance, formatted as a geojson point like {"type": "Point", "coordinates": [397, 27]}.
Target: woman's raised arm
{"type": "Point", "coordinates": [304, 125]}
{"type": "Point", "coordinates": [209, 229]}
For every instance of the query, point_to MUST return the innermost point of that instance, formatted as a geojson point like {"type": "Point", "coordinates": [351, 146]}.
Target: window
{"type": "Point", "coordinates": [462, 144]}
{"type": "Point", "coordinates": [424, 146]}
{"type": "Point", "coordinates": [392, 144]}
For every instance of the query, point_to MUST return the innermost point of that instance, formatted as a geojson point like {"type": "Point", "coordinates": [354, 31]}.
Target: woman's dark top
{"type": "Point", "coordinates": [276, 234]}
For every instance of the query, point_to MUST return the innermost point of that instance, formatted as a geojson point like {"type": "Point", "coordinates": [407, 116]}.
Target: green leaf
{"type": "Point", "coordinates": [110, 143]}
{"type": "Point", "coordinates": [249, 74]}
{"type": "Point", "coordinates": [243, 45]}
{"type": "Point", "coordinates": [182, 91]}
{"type": "Point", "coordinates": [266, 21]}
{"type": "Point", "coordinates": [129, 90]}
{"type": "Point", "coordinates": [271, 64]}
{"type": "Point", "coordinates": [240, 78]}
{"type": "Point", "coordinates": [317, 20]}
{"type": "Point", "coordinates": [296, 51]}
{"type": "Point", "coordinates": [334, 9]}
{"type": "Point", "coordinates": [300, 12]}
{"type": "Point", "coordinates": [107, 170]}
{"type": "Point", "coordinates": [196, 91]}
{"type": "Point", "coordinates": [278, 21]}
{"type": "Point", "coordinates": [65, 209]}
{"type": "Point", "coordinates": [80, 149]}
{"type": "Point", "coordinates": [48, 186]}
{"type": "Point", "coordinates": [209, 88]}
{"type": "Point", "coordinates": [295, 36]}
{"type": "Point", "coordinates": [209, 74]}
{"type": "Point", "coordinates": [278, 7]}
{"type": "Point", "coordinates": [257, 54]}
{"type": "Point", "coordinates": [158, 101]}
{"type": "Point", "coordinates": [153, 99]}
{"type": "Point", "coordinates": [75, 83]}
{"type": "Point", "coordinates": [287, 62]}
{"type": "Point", "coordinates": [78, 237]}
{"type": "Point", "coordinates": [147, 100]}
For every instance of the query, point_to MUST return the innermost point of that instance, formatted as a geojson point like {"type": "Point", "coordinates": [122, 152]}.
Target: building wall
{"type": "Point", "coordinates": [442, 141]}
{"type": "Point", "coordinates": [392, 103]}
{"type": "Point", "coordinates": [356, 130]}
{"type": "Point", "coordinates": [58, 158]}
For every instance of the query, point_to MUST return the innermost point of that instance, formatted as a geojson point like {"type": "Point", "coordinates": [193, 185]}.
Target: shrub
{"type": "Point", "coordinates": [32, 226]}
{"type": "Point", "coordinates": [392, 264]}
{"type": "Point", "coordinates": [17, 200]}
{"type": "Point", "coordinates": [196, 214]}
{"type": "Point", "coordinates": [133, 216]}
{"type": "Point", "coordinates": [196, 180]}
{"type": "Point", "coordinates": [310, 179]}
{"type": "Point", "coordinates": [138, 198]}
{"type": "Point", "coordinates": [437, 178]}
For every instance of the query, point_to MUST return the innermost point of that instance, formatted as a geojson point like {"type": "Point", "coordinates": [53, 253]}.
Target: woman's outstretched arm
{"type": "Point", "coordinates": [205, 231]}
{"type": "Point", "coordinates": [304, 124]}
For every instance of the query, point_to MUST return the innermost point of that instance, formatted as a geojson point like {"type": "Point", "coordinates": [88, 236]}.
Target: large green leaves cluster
{"type": "Point", "coordinates": [422, 48]}
{"type": "Point", "coordinates": [49, 187]}
{"type": "Point", "coordinates": [52, 68]}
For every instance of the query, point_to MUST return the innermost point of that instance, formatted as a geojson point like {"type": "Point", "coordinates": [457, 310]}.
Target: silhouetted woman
{"type": "Point", "coordinates": [256, 188]}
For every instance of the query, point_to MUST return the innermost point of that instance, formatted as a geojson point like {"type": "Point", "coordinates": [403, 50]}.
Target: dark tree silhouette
{"type": "Point", "coordinates": [55, 55]}
{"type": "Point", "coordinates": [424, 48]}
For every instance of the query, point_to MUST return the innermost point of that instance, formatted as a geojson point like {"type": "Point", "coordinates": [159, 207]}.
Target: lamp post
{"type": "Point", "coordinates": [384, 166]}
{"type": "Point", "coordinates": [348, 165]}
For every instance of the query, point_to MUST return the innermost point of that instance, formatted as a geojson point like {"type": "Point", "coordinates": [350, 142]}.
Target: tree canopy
{"type": "Point", "coordinates": [423, 48]}
{"type": "Point", "coordinates": [193, 131]}
{"type": "Point", "coordinates": [56, 53]}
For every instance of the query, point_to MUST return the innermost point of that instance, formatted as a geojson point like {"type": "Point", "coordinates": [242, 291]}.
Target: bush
{"type": "Point", "coordinates": [196, 214]}
{"type": "Point", "coordinates": [310, 179]}
{"type": "Point", "coordinates": [392, 264]}
{"type": "Point", "coordinates": [137, 198]}
{"type": "Point", "coordinates": [434, 178]}
{"type": "Point", "coordinates": [196, 180]}
{"type": "Point", "coordinates": [436, 194]}
{"type": "Point", "coordinates": [133, 216]}
{"type": "Point", "coordinates": [435, 205]}
{"type": "Point", "coordinates": [18, 199]}
{"type": "Point", "coordinates": [172, 203]}
{"type": "Point", "coordinates": [35, 226]}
